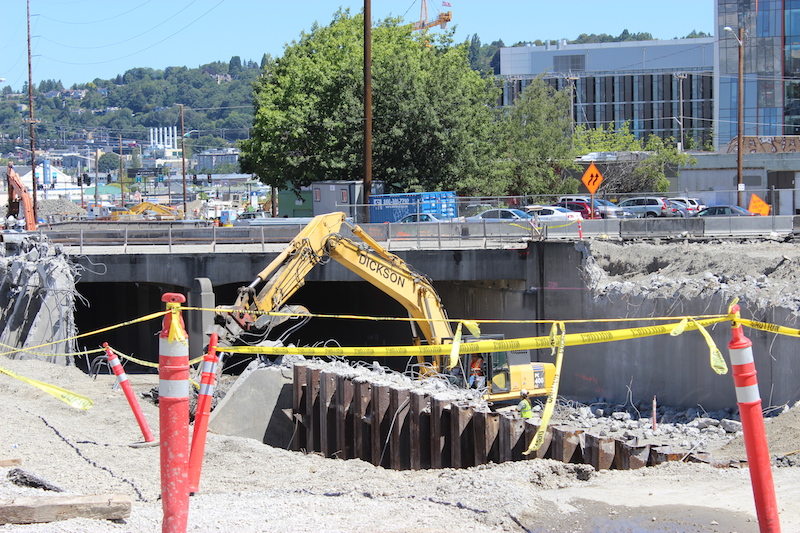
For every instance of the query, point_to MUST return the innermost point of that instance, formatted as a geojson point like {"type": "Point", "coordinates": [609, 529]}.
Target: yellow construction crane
{"type": "Point", "coordinates": [441, 19]}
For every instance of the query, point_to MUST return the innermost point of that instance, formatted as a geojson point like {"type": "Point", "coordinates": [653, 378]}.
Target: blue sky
{"type": "Point", "coordinates": [76, 41]}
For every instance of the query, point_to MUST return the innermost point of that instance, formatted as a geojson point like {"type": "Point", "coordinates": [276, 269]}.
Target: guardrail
{"type": "Point", "coordinates": [434, 235]}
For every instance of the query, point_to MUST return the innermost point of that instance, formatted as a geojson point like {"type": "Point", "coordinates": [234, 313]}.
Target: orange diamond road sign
{"type": "Point", "coordinates": [757, 205]}
{"type": "Point", "coordinates": [592, 178]}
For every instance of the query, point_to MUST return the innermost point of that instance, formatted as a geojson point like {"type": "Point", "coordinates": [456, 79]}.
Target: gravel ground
{"type": "Point", "coordinates": [247, 486]}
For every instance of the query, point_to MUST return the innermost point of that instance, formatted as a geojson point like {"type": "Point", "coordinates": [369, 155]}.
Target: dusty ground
{"type": "Point", "coordinates": [247, 486]}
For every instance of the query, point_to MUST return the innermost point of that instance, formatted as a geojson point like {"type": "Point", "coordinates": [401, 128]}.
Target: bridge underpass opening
{"type": "Point", "coordinates": [106, 304]}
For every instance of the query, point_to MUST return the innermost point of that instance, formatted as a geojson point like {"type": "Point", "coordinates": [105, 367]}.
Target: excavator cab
{"type": "Point", "coordinates": [507, 372]}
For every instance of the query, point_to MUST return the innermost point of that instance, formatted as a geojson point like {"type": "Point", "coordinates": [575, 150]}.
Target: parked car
{"type": "Point", "coordinates": [649, 206]}
{"type": "Point", "coordinates": [248, 217]}
{"type": "Point", "coordinates": [693, 205]}
{"type": "Point", "coordinates": [421, 217]}
{"type": "Point", "coordinates": [500, 215]}
{"type": "Point", "coordinates": [725, 211]}
{"type": "Point", "coordinates": [682, 209]}
{"type": "Point", "coordinates": [580, 207]}
{"type": "Point", "coordinates": [548, 213]}
{"type": "Point", "coordinates": [603, 207]}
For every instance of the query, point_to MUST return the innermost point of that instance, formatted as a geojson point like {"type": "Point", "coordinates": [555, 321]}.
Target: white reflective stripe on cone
{"type": "Point", "coordinates": [748, 394]}
{"type": "Point", "coordinates": [741, 357]}
{"type": "Point", "coordinates": [168, 388]}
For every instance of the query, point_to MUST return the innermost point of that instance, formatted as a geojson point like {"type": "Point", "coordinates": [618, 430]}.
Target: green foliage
{"type": "Point", "coordinates": [647, 175]}
{"type": "Point", "coordinates": [482, 57]}
{"type": "Point", "coordinates": [535, 135]}
{"type": "Point", "coordinates": [432, 113]}
{"type": "Point", "coordinates": [695, 35]}
{"type": "Point", "coordinates": [108, 162]}
{"type": "Point", "coordinates": [139, 99]}
{"type": "Point", "coordinates": [605, 38]}
{"type": "Point", "coordinates": [605, 139]}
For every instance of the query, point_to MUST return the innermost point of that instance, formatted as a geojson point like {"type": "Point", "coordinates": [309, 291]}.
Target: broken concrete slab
{"type": "Point", "coordinates": [253, 406]}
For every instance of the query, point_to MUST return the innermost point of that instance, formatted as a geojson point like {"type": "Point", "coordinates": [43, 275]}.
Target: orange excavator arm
{"type": "Point", "coordinates": [18, 196]}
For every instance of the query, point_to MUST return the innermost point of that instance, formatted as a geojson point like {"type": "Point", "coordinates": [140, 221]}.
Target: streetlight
{"type": "Point", "coordinates": [740, 114]}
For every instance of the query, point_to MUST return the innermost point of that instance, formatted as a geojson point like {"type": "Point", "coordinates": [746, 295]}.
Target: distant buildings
{"type": "Point", "coordinates": [659, 86]}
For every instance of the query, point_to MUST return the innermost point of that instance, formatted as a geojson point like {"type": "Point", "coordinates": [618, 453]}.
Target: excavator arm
{"type": "Point", "coordinates": [19, 197]}
{"type": "Point", "coordinates": [318, 242]}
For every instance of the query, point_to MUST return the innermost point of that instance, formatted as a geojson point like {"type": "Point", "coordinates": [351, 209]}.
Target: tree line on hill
{"type": "Point", "coordinates": [299, 117]}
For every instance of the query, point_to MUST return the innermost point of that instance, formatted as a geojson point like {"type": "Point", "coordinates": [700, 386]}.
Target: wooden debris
{"type": "Point", "coordinates": [42, 509]}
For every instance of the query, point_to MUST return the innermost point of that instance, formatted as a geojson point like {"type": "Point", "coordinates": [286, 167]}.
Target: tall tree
{"type": "Point", "coordinates": [108, 161]}
{"type": "Point", "coordinates": [432, 113]}
{"type": "Point", "coordinates": [537, 141]}
{"type": "Point", "coordinates": [235, 66]}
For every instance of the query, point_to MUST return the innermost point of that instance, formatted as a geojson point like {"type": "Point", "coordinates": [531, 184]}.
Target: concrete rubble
{"type": "Point", "coordinates": [37, 299]}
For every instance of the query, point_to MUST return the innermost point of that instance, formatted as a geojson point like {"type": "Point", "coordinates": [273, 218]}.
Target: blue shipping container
{"type": "Point", "coordinates": [393, 207]}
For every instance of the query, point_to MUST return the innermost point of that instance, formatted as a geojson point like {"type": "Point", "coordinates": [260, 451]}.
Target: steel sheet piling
{"type": "Point", "coordinates": [173, 403]}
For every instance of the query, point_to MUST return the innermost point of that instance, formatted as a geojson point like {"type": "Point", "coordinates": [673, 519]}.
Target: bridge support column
{"type": "Point", "coordinates": [201, 295]}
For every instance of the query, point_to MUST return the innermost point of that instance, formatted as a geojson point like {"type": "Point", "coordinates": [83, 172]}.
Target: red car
{"type": "Point", "coordinates": [580, 207]}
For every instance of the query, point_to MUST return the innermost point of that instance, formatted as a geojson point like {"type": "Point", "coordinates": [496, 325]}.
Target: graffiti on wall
{"type": "Point", "coordinates": [779, 144]}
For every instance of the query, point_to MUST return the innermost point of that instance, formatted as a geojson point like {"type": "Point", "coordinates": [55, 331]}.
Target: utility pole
{"type": "Point", "coordinates": [740, 120]}
{"type": "Point", "coordinates": [183, 167]}
{"type": "Point", "coordinates": [680, 77]}
{"type": "Point", "coordinates": [740, 115]}
{"type": "Point", "coordinates": [31, 122]}
{"type": "Point", "coordinates": [121, 181]}
{"type": "Point", "coordinates": [572, 79]}
{"type": "Point", "coordinates": [96, 182]}
{"type": "Point", "coordinates": [367, 106]}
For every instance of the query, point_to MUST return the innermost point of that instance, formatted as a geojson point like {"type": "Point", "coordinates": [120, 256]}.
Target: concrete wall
{"type": "Point", "coordinates": [542, 282]}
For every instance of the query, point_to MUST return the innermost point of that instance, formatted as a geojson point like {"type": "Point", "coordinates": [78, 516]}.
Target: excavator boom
{"type": "Point", "coordinates": [20, 198]}
{"type": "Point", "coordinates": [321, 240]}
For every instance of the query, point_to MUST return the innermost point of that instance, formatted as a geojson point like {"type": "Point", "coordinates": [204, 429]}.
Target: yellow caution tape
{"type": "Point", "coordinates": [176, 332]}
{"type": "Point", "coordinates": [472, 326]}
{"type": "Point", "coordinates": [717, 361]}
{"type": "Point", "coordinates": [770, 328]}
{"type": "Point", "coordinates": [453, 361]}
{"type": "Point", "coordinates": [483, 346]}
{"type": "Point", "coordinates": [91, 333]}
{"type": "Point", "coordinates": [148, 363]}
{"type": "Point", "coordinates": [538, 438]}
{"type": "Point", "coordinates": [75, 400]}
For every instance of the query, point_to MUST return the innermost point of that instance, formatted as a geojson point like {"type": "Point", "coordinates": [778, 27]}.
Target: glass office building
{"type": "Point", "coordinates": [657, 87]}
{"type": "Point", "coordinates": [771, 70]}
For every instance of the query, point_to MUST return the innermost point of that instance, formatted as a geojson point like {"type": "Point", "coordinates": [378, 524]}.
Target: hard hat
{"type": "Point", "coordinates": [523, 392]}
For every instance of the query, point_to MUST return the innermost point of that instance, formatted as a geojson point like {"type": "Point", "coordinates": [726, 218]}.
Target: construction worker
{"type": "Point", "coordinates": [524, 406]}
{"type": "Point", "coordinates": [476, 378]}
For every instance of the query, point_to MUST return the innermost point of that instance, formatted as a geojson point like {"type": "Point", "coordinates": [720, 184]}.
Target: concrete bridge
{"type": "Point", "coordinates": [533, 281]}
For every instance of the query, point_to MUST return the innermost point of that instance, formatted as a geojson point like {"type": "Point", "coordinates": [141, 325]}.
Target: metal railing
{"type": "Point", "coordinates": [426, 235]}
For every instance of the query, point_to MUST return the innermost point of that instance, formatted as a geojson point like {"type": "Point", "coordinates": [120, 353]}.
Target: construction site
{"type": "Point", "coordinates": [316, 436]}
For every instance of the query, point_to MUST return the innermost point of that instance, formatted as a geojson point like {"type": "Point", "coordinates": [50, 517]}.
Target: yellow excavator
{"type": "Point", "coordinates": [505, 373]}
{"type": "Point", "coordinates": [148, 210]}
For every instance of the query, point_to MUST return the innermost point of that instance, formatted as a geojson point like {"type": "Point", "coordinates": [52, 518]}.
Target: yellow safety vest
{"type": "Point", "coordinates": [525, 408]}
